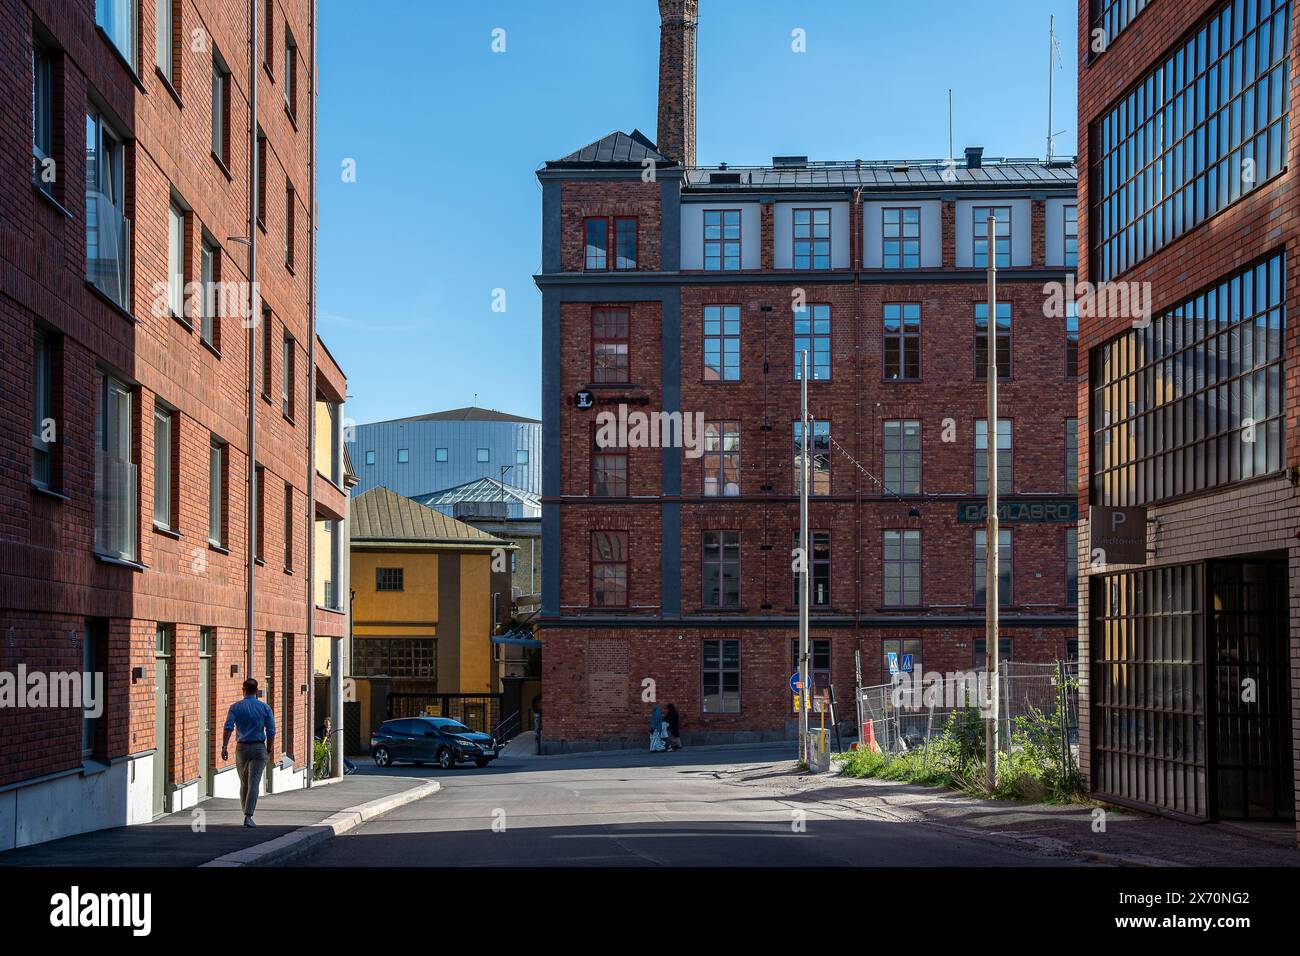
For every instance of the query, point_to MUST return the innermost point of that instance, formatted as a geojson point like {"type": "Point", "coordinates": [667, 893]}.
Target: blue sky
{"type": "Point", "coordinates": [446, 136]}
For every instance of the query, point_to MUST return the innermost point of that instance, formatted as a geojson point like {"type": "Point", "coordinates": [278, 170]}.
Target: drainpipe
{"type": "Point", "coordinates": [311, 429]}
{"type": "Point", "coordinates": [254, 323]}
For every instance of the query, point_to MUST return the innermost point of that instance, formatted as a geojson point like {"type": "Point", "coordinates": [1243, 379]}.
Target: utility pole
{"type": "Point", "coordinates": [1051, 60]}
{"type": "Point", "coordinates": [991, 522]}
{"type": "Point", "coordinates": [805, 471]}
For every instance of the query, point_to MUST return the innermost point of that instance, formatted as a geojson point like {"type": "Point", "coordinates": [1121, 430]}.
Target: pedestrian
{"type": "Point", "coordinates": [674, 728]}
{"type": "Point", "coordinates": [326, 733]}
{"type": "Point", "coordinates": [256, 725]}
{"type": "Point", "coordinates": [657, 730]}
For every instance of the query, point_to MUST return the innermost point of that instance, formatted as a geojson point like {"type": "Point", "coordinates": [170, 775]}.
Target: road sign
{"type": "Point", "coordinates": [893, 662]}
{"type": "Point", "coordinates": [906, 666]}
{"type": "Point", "coordinates": [795, 683]}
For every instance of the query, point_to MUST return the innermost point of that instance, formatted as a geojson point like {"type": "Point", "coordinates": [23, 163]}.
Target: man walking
{"type": "Point", "coordinates": [256, 725]}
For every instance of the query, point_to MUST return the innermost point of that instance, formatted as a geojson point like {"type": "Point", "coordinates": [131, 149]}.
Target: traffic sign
{"type": "Point", "coordinates": [893, 662]}
{"type": "Point", "coordinates": [906, 666]}
{"type": "Point", "coordinates": [795, 683]}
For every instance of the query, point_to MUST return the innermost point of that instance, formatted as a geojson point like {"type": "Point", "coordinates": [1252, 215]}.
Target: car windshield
{"type": "Point", "coordinates": [453, 727]}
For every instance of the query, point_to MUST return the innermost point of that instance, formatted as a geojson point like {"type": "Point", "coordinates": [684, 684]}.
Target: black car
{"type": "Point", "coordinates": [440, 740]}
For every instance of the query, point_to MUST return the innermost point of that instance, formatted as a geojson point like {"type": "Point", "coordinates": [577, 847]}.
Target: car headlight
{"type": "Point", "coordinates": [467, 744]}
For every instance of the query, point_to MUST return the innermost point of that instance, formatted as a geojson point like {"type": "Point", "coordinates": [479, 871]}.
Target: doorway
{"type": "Point", "coordinates": [162, 700]}
{"type": "Point", "coordinates": [1251, 723]}
{"type": "Point", "coordinates": [207, 651]}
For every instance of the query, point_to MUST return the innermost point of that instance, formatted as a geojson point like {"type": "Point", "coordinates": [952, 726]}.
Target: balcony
{"type": "Point", "coordinates": [115, 507]}
{"type": "Point", "coordinates": [108, 248]}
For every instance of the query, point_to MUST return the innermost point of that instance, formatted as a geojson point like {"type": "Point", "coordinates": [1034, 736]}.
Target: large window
{"type": "Point", "coordinates": [812, 238]}
{"type": "Point", "coordinates": [115, 471]}
{"type": "Point", "coordinates": [176, 260]}
{"type": "Point", "coordinates": [163, 483]}
{"type": "Point", "coordinates": [902, 237]}
{"type": "Point", "coordinates": [43, 168]}
{"type": "Point", "coordinates": [820, 466]}
{"type": "Point", "coordinates": [819, 569]}
{"type": "Point", "coordinates": [982, 461]}
{"type": "Point", "coordinates": [721, 240]}
{"type": "Point", "coordinates": [1072, 340]}
{"type": "Point", "coordinates": [720, 569]}
{"type": "Point", "coordinates": [1072, 455]}
{"type": "Point", "coordinates": [1195, 399]}
{"type": "Point", "coordinates": [721, 459]}
{"type": "Point", "coordinates": [608, 469]}
{"type": "Point", "coordinates": [44, 433]}
{"type": "Point", "coordinates": [720, 663]}
{"type": "Point", "coordinates": [722, 343]}
{"type": "Point", "coordinates": [217, 492]}
{"type": "Point", "coordinates": [1071, 566]}
{"type": "Point", "coordinates": [220, 109]}
{"type": "Point", "coordinates": [1001, 236]}
{"type": "Point", "coordinates": [901, 648]}
{"type": "Point", "coordinates": [1004, 566]}
{"type": "Point", "coordinates": [812, 333]}
{"type": "Point", "coordinates": [395, 657]}
{"type": "Point", "coordinates": [1112, 16]}
{"type": "Point", "coordinates": [902, 568]}
{"type": "Point", "coordinates": [117, 18]}
{"type": "Point", "coordinates": [609, 560]}
{"type": "Point", "coordinates": [1194, 135]}
{"type": "Point", "coordinates": [164, 39]}
{"type": "Point", "coordinates": [902, 459]}
{"type": "Point", "coordinates": [609, 345]}
{"type": "Point", "coordinates": [902, 324]}
{"type": "Point", "coordinates": [609, 239]}
{"type": "Point", "coordinates": [1002, 337]}
{"type": "Point", "coordinates": [108, 231]}
{"type": "Point", "coordinates": [597, 244]}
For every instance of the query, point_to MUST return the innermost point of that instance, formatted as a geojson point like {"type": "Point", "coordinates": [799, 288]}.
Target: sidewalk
{"type": "Point", "coordinates": [1130, 838]}
{"type": "Point", "coordinates": [290, 821]}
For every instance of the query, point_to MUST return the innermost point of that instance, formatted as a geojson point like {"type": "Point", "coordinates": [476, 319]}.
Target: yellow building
{"type": "Point", "coordinates": [427, 592]}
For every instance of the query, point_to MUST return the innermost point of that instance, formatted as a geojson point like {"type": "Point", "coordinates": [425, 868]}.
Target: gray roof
{"type": "Point", "coordinates": [382, 515]}
{"type": "Point", "coordinates": [887, 174]}
{"type": "Point", "coordinates": [480, 489]}
{"type": "Point", "coordinates": [616, 149]}
{"type": "Point", "coordinates": [471, 413]}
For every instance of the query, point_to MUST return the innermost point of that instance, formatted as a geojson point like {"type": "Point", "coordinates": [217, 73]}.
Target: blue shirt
{"type": "Point", "coordinates": [254, 720]}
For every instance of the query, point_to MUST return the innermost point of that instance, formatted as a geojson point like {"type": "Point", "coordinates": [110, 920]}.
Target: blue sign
{"type": "Point", "coordinates": [907, 664]}
{"type": "Point", "coordinates": [893, 662]}
{"type": "Point", "coordinates": [794, 682]}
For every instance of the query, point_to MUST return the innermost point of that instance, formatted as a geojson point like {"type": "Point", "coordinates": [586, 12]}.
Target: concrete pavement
{"type": "Point", "coordinates": [688, 808]}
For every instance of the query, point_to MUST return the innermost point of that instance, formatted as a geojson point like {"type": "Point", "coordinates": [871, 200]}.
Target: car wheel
{"type": "Point", "coordinates": [446, 759]}
{"type": "Point", "coordinates": [482, 761]}
{"type": "Point", "coordinates": [382, 757]}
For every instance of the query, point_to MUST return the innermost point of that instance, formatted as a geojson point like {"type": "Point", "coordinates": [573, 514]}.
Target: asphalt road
{"type": "Point", "coordinates": [675, 809]}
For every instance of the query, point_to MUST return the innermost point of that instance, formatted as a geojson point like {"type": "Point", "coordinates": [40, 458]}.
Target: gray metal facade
{"type": "Point", "coordinates": [375, 449]}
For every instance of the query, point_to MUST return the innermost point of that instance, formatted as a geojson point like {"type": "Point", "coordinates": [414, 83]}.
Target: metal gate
{"type": "Point", "coordinates": [481, 712]}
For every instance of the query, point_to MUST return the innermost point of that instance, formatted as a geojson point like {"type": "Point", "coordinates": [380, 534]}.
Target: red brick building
{"type": "Point", "coordinates": [1191, 692]}
{"type": "Point", "coordinates": [682, 289]}
{"type": "Point", "coordinates": [156, 301]}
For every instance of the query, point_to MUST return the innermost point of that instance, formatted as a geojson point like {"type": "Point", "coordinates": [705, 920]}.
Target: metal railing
{"type": "Point", "coordinates": [479, 712]}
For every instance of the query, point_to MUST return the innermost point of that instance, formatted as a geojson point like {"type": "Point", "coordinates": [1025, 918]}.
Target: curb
{"type": "Point", "coordinates": [305, 839]}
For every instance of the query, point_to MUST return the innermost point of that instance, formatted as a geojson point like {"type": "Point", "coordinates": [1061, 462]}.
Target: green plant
{"type": "Point", "coordinates": [322, 761]}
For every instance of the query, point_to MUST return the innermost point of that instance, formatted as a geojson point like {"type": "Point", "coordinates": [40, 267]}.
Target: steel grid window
{"type": "Point", "coordinates": [812, 333]}
{"type": "Point", "coordinates": [609, 345]}
{"type": "Point", "coordinates": [609, 561]}
{"type": "Point", "coordinates": [1004, 566]}
{"type": "Point", "coordinates": [1147, 656]}
{"type": "Point", "coordinates": [1072, 455]}
{"type": "Point", "coordinates": [720, 677]}
{"type": "Point", "coordinates": [721, 459]}
{"type": "Point", "coordinates": [1112, 16]}
{"type": "Point", "coordinates": [722, 343]}
{"type": "Point", "coordinates": [721, 240]}
{"type": "Point", "coordinates": [597, 244]}
{"type": "Point", "coordinates": [396, 657]}
{"type": "Point", "coordinates": [902, 457]}
{"type": "Point", "coordinates": [819, 569]}
{"type": "Point", "coordinates": [902, 325]}
{"type": "Point", "coordinates": [901, 555]}
{"type": "Point", "coordinates": [1070, 230]}
{"type": "Point", "coordinates": [720, 569]}
{"type": "Point", "coordinates": [1071, 566]}
{"type": "Point", "coordinates": [1072, 340]}
{"type": "Point", "coordinates": [598, 232]}
{"type": "Point", "coordinates": [1003, 333]}
{"type": "Point", "coordinates": [1194, 400]}
{"type": "Point", "coordinates": [820, 478]}
{"type": "Point", "coordinates": [981, 456]}
{"type": "Point", "coordinates": [1001, 239]}
{"type": "Point", "coordinates": [1194, 135]}
{"type": "Point", "coordinates": [901, 228]}
{"type": "Point", "coordinates": [812, 238]}
{"type": "Point", "coordinates": [390, 579]}
{"type": "Point", "coordinates": [608, 469]}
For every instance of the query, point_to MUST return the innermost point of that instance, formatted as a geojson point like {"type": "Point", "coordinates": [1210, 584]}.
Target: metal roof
{"type": "Point", "coordinates": [886, 174]}
{"type": "Point", "coordinates": [624, 149]}
{"type": "Point", "coordinates": [481, 489]}
{"type": "Point", "coordinates": [470, 413]}
{"type": "Point", "coordinates": [381, 514]}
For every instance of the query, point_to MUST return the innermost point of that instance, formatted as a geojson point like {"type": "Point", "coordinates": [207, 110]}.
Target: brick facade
{"type": "Point", "coordinates": [52, 584]}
